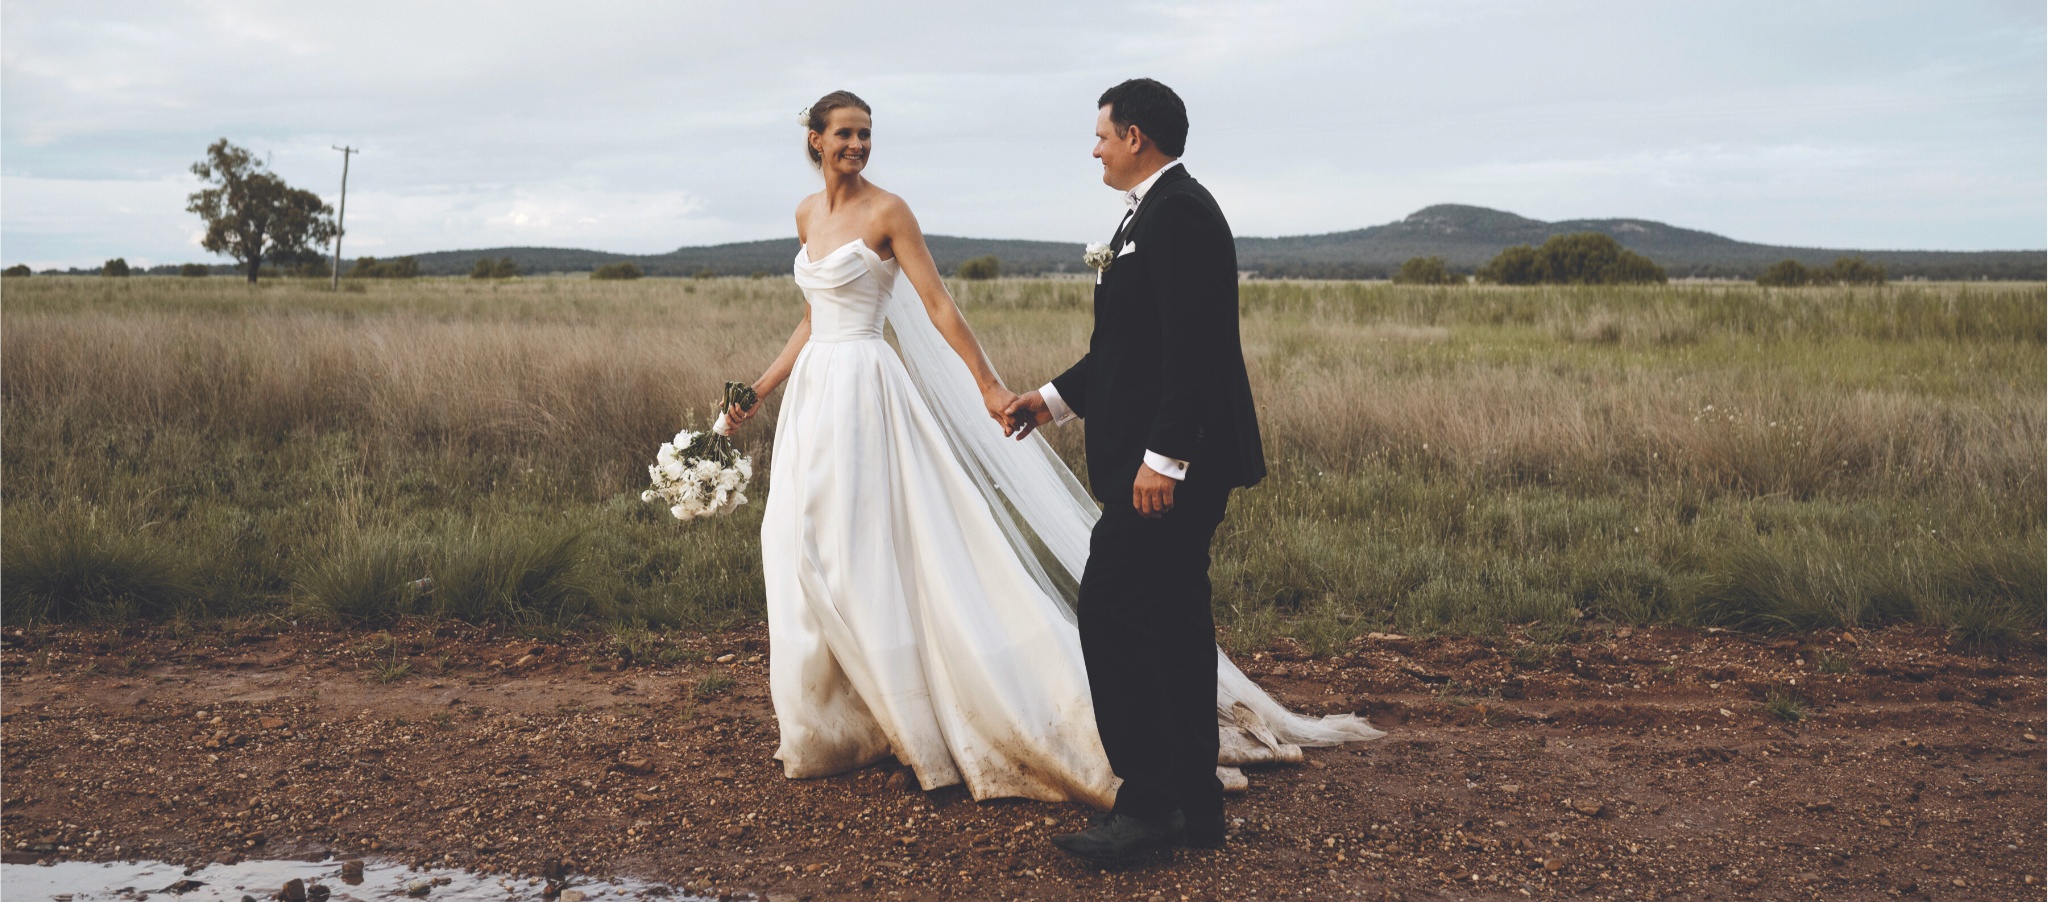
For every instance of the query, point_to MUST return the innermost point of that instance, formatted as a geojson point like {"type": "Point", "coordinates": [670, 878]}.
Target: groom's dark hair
{"type": "Point", "coordinates": [1153, 108]}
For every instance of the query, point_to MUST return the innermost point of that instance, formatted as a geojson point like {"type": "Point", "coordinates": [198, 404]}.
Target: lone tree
{"type": "Point", "coordinates": [18, 271]}
{"type": "Point", "coordinates": [115, 267]}
{"type": "Point", "coordinates": [251, 214]}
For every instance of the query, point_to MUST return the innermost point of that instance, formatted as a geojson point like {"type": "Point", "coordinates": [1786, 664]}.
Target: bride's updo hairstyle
{"type": "Point", "coordinates": [821, 112]}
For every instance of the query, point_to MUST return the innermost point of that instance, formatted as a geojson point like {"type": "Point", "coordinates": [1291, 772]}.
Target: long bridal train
{"type": "Point", "coordinates": [921, 569]}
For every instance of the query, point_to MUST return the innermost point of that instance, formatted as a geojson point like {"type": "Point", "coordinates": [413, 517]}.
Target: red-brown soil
{"type": "Point", "coordinates": [1627, 764]}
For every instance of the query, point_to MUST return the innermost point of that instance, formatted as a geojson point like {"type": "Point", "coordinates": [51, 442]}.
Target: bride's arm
{"type": "Point", "coordinates": [778, 371]}
{"type": "Point", "coordinates": [907, 240]}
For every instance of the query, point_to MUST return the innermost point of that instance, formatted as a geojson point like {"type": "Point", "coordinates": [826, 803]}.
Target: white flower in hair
{"type": "Point", "coordinates": [803, 117]}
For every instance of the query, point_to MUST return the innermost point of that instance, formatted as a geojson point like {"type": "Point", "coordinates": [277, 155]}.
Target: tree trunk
{"type": "Point", "coordinates": [255, 263]}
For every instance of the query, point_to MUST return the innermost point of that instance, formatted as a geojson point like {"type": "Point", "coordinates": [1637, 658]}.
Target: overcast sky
{"type": "Point", "coordinates": [642, 127]}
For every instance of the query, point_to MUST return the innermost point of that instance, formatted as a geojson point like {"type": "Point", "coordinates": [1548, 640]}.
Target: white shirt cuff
{"type": "Point", "coordinates": [1061, 413]}
{"type": "Point", "coordinates": [1175, 470]}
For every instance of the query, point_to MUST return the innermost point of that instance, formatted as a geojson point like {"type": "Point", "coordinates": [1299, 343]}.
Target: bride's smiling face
{"type": "Point", "coordinates": [845, 143]}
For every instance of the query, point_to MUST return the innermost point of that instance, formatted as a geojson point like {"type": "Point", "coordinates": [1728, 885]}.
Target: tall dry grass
{"type": "Point", "coordinates": [1444, 458]}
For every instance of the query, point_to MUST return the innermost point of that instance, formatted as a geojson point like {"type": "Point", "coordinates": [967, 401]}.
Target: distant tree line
{"type": "Point", "coordinates": [1427, 271]}
{"type": "Point", "coordinates": [373, 268]}
{"type": "Point", "coordinates": [1845, 271]}
{"type": "Point", "coordinates": [487, 268]}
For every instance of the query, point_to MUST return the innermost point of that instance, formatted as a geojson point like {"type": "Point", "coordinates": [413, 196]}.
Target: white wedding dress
{"type": "Point", "coordinates": [919, 571]}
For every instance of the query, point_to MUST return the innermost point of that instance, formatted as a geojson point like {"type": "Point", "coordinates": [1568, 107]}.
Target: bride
{"type": "Point", "coordinates": [920, 568]}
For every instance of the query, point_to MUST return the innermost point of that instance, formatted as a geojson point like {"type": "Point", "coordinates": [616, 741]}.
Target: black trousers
{"type": "Point", "coordinates": [1149, 640]}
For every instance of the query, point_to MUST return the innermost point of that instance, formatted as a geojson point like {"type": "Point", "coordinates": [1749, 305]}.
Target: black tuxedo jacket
{"type": "Point", "coordinates": [1164, 370]}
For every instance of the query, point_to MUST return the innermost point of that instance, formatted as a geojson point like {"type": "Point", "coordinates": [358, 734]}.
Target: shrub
{"type": "Point", "coordinates": [114, 267]}
{"type": "Point", "coordinates": [704, 272]}
{"type": "Point", "coordinates": [194, 270]}
{"type": "Point", "coordinates": [1581, 258]}
{"type": "Point", "coordinates": [1785, 274]}
{"type": "Point", "coordinates": [1518, 265]}
{"type": "Point", "coordinates": [501, 268]}
{"type": "Point", "coordinates": [985, 267]}
{"type": "Point", "coordinates": [620, 270]}
{"type": "Point", "coordinates": [18, 269]}
{"type": "Point", "coordinates": [1426, 271]}
{"type": "Point", "coordinates": [1856, 271]}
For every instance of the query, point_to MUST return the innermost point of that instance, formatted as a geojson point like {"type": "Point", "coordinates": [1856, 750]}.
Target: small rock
{"type": "Point", "coordinates": [523, 661]}
{"type": "Point", "coordinates": [317, 893]}
{"type": "Point", "coordinates": [294, 891]}
{"type": "Point", "coordinates": [1960, 882]}
{"type": "Point", "coordinates": [727, 659]}
{"type": "Point", "coordinates": [638, 766]}
{"type": "Point", "coordinates": [572, 895]}
{"type": "Point", "coordinates": [1819, 807]}
{"type": "Point", "coordinates": [2030, 737]}
{"type": "Point", "coordinates": [1589, 807]}
{"type": "Point", "coordinates": [1553, 865]}
{"type": "Point", "coordinates": [419, 888]}
{"type": "Point", "coordinates": [1748, 882]}
{"type": "Point", "coordinates": [899, 781]}
{"type": "Point", "coordinates": [352, 871]}
{"type": "Point", "coordinates": [184, 886]}
{"type": "Point", "coordinates": [271, 723]}
{"type": "Point", "coordinates": [813, 868]}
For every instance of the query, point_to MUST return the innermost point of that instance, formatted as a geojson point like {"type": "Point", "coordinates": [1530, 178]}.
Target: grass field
{"type": "Point", "coordinates": [1444, 459]}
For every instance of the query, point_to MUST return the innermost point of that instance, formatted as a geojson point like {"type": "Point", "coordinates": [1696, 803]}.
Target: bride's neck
{"type": "Point", "coordinates": [839, 188]}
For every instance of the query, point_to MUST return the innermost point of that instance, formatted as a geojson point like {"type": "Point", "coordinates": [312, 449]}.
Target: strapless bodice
{"type": "Point", "coordinates": [848, 290]}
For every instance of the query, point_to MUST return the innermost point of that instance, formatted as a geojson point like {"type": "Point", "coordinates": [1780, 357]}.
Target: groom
{"type": "Point", "coordinates": [1171, 432]}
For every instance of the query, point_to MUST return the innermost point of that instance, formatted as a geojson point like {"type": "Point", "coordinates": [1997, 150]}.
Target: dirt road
{"type": "Point", "coordinates": [1625, 764]}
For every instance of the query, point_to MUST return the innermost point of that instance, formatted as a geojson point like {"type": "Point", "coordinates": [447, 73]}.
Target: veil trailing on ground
{"type": "Point", "coordinates": [1047, 516]}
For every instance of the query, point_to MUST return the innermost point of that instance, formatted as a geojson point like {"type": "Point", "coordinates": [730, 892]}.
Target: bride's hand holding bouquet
{"type": "Point", "coordinates": [701, 473]}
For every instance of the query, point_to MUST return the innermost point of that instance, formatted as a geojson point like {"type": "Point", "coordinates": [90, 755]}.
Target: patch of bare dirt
{"type": "Point", "coordinates": [1638, 764]}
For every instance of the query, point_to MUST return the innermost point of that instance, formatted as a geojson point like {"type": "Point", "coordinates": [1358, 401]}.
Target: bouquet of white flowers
{"type": "Point", "coordinates": [701, 473]}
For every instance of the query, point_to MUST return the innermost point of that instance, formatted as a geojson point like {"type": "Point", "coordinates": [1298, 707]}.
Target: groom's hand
{"type": "Point", "coordinates": [1152, 492]}
{"type": "Point", "coordinates": [1025, 415]}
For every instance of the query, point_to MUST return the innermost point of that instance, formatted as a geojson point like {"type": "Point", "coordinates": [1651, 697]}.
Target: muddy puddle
{"type": "Point", "coordinates": [131, 881]}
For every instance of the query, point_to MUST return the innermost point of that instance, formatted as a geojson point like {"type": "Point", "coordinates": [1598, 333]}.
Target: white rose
{"type": "Point", "coordinates": [680, 512]}
{"type": "Point", "coordinates": [684, 438]}
{"type": "Point", "coordinates": [674, 469]}
{"type": "Point", "coordinates": [649, 495]}
{"type": "Point", "coordinates": [666, 454]}
{"type": "Point", "coordinates": [746, 467]}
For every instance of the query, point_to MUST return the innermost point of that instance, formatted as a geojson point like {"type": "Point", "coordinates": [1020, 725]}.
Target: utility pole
{"type": "Point", "coordinates": [341, 217]}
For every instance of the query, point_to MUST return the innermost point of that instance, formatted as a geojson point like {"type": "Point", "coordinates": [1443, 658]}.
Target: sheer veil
{"type": "Point", "coordinates": [1047, 514]}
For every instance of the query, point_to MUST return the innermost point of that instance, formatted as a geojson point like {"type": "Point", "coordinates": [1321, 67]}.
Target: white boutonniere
{"type": "Point", "coordinates": [1099, 257]}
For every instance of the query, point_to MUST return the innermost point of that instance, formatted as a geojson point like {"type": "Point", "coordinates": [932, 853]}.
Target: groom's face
{"type": "Point", "coordinates": [1119, 154]}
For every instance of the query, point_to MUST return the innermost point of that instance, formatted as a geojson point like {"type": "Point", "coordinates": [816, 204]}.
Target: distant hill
{"type": "Point", "coordinates": [1464, 236]}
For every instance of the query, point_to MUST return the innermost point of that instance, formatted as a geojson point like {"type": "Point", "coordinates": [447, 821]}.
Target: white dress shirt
{"type": "Point", "coordinates": [1165, 466]}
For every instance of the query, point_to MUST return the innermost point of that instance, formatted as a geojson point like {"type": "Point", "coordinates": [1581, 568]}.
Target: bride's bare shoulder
{"type": "Point", "coordinates": [803, 212]}
{"type": "Point", "coordinates": [893, 209]}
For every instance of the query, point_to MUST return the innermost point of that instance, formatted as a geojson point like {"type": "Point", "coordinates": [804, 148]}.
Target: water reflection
{"type": "Point", "coordinates": [129, 881]}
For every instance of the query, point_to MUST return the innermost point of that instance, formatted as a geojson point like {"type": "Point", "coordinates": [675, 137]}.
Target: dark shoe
{"type": "Point", "coordinates": [1203, 831]}
{"type": "Point", "coordinates": [1117, 838]}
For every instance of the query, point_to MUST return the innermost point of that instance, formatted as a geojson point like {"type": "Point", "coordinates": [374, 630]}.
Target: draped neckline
{"type": "Point", "coordinates": [837, 268]}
